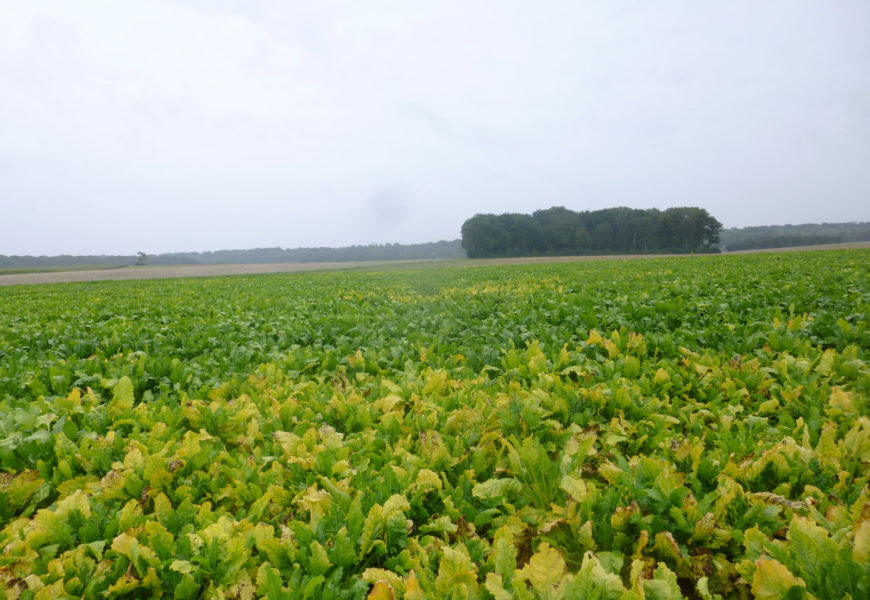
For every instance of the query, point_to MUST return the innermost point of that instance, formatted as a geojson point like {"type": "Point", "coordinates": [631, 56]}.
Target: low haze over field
{"type": "Point", "coordinates": [199, 125]}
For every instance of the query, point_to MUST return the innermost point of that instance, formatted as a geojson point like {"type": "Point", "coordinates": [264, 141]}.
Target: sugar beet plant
{"type": "Point", "coordinates": [651, 429]}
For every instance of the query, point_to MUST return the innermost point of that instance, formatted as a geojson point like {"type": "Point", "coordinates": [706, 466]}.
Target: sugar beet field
{"type": "Point", "coordinates": [658, 429]}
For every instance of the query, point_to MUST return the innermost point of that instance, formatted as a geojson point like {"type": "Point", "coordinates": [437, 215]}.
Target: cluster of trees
{"type": "Point", "coordinates": [783, 236]}
{"type": "Point", "coordinates": [560, 231]}
{"type": "Point", "coordinates": [430, 250]}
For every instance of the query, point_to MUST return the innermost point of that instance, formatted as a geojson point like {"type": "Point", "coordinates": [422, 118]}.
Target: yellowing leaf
{"type": "Point", "coordinates": [130, 547]}
{"type": "Point", "coordinates": [387, 403]}
{"type": "Point", "coordinates": [126, 583]}
{"type": "Point", "coordinates": [162, 507]}
{"type": "Point", "coordinates": [34, 583]}
{"type": "Point", "coordinates": [574, 486]}
{"type": "Point", "coordinates": [221, 530]}
{"type": "Point", "coordinates": [545, 571]}
{"type": "Point", "coordinates": [666, 547]}
{"type": "Point", "coordinates": [315, 501]}
{"type": "Point", "coordinates": [496, 488]}
{"type": "Point", "coordinates": [151, 580]}
{"type": "Point", "coordinates": [182, 566]}
{"type": "Point", "coordinates": [495, 586]}
{"type": "Point", "coordinates": [841, 401]}
{"type": "Point", "coordinates": [382, 590]}
{"type": "Point", "coordinates": [436, 382]}
{"type": "Point", "coordinates": [374, 575]}
{"type": "Point", "coordinates": [124, 543]}
{"type": "Point", "coordinates": [504, 553]}
{"type": "Point", "coordinates": [130, 515]}
{"type": "Point", "coordinates": [661, 376]}
{"type": "Point", "coordinates": [357, 360]}
{"type": "Point", "coordinates": [768, 406]}
{"type": "Point", "coordinates": [123, 397]}
{"type": "Point", "coordinates": [78, 500]}
{"type": "Point", "coordinates": [413, 591]}
{"type": "Point", "coordinates": [861, 543]}
{"type": "Point", "coordinates": [319, 561]}
{"type": "Point", "coordinates": [857, 440]}
{"type": "Point", "coordinates": [396, 503]}
{"type": "Point", "coordinates": [826, 363]}
{"type": "Point", "coordinates": [454, 571]}
{"type": "Point", "coordinates": [584, 536]}
{"type": "Point", "coordinates": [134, 460]}
{"type": "Point", "coordinates": [428, 479]}
{"type": "Point", "coordinates": [772, 580]}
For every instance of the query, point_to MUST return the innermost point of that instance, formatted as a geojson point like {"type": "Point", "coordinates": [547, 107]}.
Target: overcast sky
{"type": "Point", "coordinates": [209, 124]}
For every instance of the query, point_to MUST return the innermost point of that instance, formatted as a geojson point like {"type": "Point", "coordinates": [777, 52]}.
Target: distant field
{"type": "Point", "coordinates": [175, 272]}
{"type": "Point", "coordinates": [113, 272]}
{"type": "Point", "coordinates": [26, 270]}
{"type": "Point", "coordinates": [843, 246]}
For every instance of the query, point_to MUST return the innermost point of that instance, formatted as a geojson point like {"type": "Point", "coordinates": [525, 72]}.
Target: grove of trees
{"type": "Point", "coordinates": [560, 231]}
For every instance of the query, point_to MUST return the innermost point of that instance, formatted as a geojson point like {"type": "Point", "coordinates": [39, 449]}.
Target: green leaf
{"type": "Point", "coordinates": [269, 582]}
{"type": "Point", "coordinates": [812, 548]}
{"type": "Point", "coordinates": [663, 585]}
{"type": "Point", "coordinates": [593, 581]}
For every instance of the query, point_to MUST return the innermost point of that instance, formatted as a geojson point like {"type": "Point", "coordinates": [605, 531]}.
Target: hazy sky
{"type": "Point", "coordinates": [204, 124]}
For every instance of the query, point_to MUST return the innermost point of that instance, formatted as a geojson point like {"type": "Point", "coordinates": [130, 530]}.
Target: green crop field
{"type": "Point", "coordinates": [661, 428]}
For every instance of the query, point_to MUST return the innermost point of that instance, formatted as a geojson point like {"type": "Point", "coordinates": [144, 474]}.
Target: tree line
{"type": "Point", "coordinates": [782, 236]}
{"type": "Point", "coordinates": [560, 231]}
{"type": "Point", "coordinates": [429, 250]}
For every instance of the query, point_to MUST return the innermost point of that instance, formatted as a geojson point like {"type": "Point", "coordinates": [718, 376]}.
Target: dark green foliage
{"type": "Point", "coordinates": [559, 231]}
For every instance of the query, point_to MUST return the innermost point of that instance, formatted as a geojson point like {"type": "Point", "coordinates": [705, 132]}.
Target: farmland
{"type": "Point", "coordinates": [657, 428]}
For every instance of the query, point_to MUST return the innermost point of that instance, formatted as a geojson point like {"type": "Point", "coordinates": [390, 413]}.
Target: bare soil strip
{"type": "Point", "coordinates": [172, 272]}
